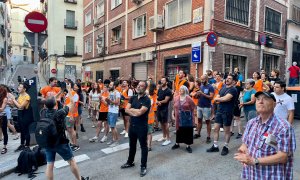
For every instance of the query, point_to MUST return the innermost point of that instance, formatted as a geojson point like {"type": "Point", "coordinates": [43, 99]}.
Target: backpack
{"type": "Point", "coordinates": [46, 133]}
{"type": "Point", "coordinates": [27, 163]}
{"type": "Point", "coordinates": [40, 155]}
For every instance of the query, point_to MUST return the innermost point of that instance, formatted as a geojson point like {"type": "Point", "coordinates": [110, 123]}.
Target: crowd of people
{"type": "Point", "coordinates": [186, 103]}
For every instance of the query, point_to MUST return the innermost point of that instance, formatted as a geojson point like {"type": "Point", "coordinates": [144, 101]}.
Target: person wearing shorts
{"type": "Point", "coordinates": [205, 95]}
{"type": "Point", "coordinates": [226, 99]}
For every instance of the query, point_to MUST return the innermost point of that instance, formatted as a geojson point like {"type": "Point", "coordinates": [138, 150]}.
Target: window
{"type": "Point", "coordinates": [115, 3]}
{"type": "Point", "coordinates": [88, 45]}
{"type": "Point", "coordinates": [296, 52]}
{"type": "Point", "coordinates": [114, 74]}
{"type": "Point", "coordinates": [140, 26]}
{"type": "Point", "coordinates": [70, 19]}
{"type": "Point", "coordinates": [178, 12]}
{"type": "Point", "coordinates": [296, 14]}
{"type": "Point", "coordinates": [270, 62]}
{"type": "Point", "coordinates": [116, 35]}
{"type": "Point", "coordinates": [272, 21]}
{"type": "Point", "coordinates": [100, 9]}
{"type": "Point", "coordinates": [233, 61]}
{"type": "Point", "coordinates": [88, 18]}
{"type": "Point", "coordinates": [70, 47]}
{"type": "Point", "coordinates": [238, 11]}
{"type": "Point", "coordinates": [99, 75]}
{"type": "Point", "coordinates": [25, 58]}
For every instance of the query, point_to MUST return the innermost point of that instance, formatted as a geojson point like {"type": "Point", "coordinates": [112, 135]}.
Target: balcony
{"type": "Point", "coordinates": [71, 1]}
{"type": "Point", "coordinates": [296, 14]}
{"type": "Point", "coordinates": [69, 25]}
{"type": "Point", "coordinates": [69, 52]}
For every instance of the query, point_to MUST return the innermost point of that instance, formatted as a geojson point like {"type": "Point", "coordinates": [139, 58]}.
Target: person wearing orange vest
{"type": "Point", "coordinates": [259, 84]}
{"type": "Point", "coordinates": [151, 115]}
{"type": "Point", "coordinates": [194, 97]}
{"type": "Point", "coordinates": [217, 86]}
{"type": "Point", "coordinates": [51, 90]}
{"type": "Point", "coordinates": [102, 117]}
{"type": "Point", "coordinates": [100, 83]}
{"type": "Point", "coordinates": [72, 97]}
{"type": "Point", "coordinates": [180, 80]}
{"type": "Point", "coordinates": [126, 94]}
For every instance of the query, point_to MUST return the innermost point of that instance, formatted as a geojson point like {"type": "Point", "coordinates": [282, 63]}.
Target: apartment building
{"type": "Point", "coordinates": [141, 38]}
{"type": "Point", "coordinates": [293, 33]}
{"type": "Point", "coordinates": [64, 44]}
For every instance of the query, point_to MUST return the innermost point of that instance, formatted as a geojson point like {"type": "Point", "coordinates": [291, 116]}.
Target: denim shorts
{"type": "Point", "coordinates": [64, 150]}
{"type": "Point", "coordinates": [112, 119]}
{"type": "Point", "coordinates": [203, 113]}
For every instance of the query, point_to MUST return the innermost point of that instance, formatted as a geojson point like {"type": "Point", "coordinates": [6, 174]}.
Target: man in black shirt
{"type": "Point", "coordinates": [138, 109]}
{"type": "Point", "coordinates": [226, 99]}
{"type": "Point", "coordinates": [163, 97]}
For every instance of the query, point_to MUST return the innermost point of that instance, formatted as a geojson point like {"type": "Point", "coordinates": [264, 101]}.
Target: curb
{"type": "Point", "coordinates": [7, 172]}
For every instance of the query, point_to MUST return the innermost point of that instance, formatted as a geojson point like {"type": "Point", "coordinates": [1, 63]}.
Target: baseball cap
{"type": "Point", "coordinates": [269, 95]}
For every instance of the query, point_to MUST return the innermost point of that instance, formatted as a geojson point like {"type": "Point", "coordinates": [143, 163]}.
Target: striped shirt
{"type": "Point", "coordinates": [255, 138]}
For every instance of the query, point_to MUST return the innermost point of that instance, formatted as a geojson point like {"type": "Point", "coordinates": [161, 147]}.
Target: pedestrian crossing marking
{"type": "Point", "coordinates": [63, 163]}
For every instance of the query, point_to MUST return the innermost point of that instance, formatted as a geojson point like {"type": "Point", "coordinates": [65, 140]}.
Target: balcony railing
{"type": "Point", "coordinates": [69, 25]}
{"type": "Point", "coordinates": [71, 1]}
{"type": "Point", "coordinates": [296, 14]}
{"type": "Point", "coordinates": [70, 51]}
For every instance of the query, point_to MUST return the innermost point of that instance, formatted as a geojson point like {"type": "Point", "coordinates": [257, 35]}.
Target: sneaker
{"type": "Point", "coordinates": [109, 130]}
{"type": "Point", "coordinates": [161, 139]}
{"type": "Point", "coordinates": [149, 149]}
{"type": "Point", "coordinates": [213, 149]}
{"type": "Point", "coordinates": [143, 171]}
{"type": "Point", "coordinates": [114, 144]}
{"type": "Point", "coordinates": [72, 145]}
{"type": "Point", "coordinates": [239, 136]}
{"type": "Point", "coordinates": [167, 142]}
{"type": "Point", "coordinates": [20, 148]}
{"type": "Point", "coordinates": [189, 149]}
{"type": "Point", "coordinates": [127, 165]}
{"type": "Point", "coordinates": [94, 139]}
{"type": "Point", "coordinates": [104, 139]}
{"type": "Point", "coordinates": [235, 123]}
{"type": "Point", "coordinates": [123, 132]}
{"type": "Point", "coordinates": [93, 126]}
{"type": "Point", "coordinates": [85, 178]}
{"type": "Point", "coordinates": [75, 148]}
{"type": "Point", "coordinates": [197, 136]}
{"type": "Point", "coordinates": [16, 137]}
{"type": "Point", "coordinates": [208, 140]}
{"type": "Point", "coordinates": [102, 130]}
{"type": "Point", "coordinates": [232, 133]}
{"type": "Point", "coordinates": [89, 117]}
{"type": "Point", "coordinates": [126, 135]}
{"type": "Point", "coordinates": [222, 129]}
{"type": "Point", "coordinates": [109, 142]}
{"type": "Point", "coordinates": [225, 151]}
{"type": "Point", "coordinates": [176, 146]}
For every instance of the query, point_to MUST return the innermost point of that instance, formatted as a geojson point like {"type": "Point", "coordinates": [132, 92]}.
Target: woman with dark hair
{"type": "Point", "coordinates": [77, 89]}
{"type": "Point", "coordinates": [3, 117]}
{"type": "Point", "coordinates": [25, 115]}
{"type": "Point", "coordinates": [259, 85]}
{"type": "Point", "coordinates": [191, 81]}
{"type": "Point", "coordinates": [151, 115]}
{"type": "Point", "coordinates": [94, 102]}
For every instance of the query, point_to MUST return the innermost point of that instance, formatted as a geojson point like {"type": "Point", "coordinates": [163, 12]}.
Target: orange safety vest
{"type": "Point", "coordinates": [217, 90]}
{"type": "Point", "coordinates": [125, 101]}
{"type": "Point", "coordinates": [119, 88]}
{"type": "Point", "coordinates": [104, 107]}
{"type": "Point", "coordinates": [194, 98]}
{"type": "Point", "coordinates": [178, 83]}
{"type": "Point", "coordinates": [101, 86]}
{"type": "Point", "coordinates": [258, 86]}
{"type": "Point", "coordinates": [151, 115]}
{"type": "Point", "coordinates": [68, 101]}
{"type": "Point", "coordinates": [155, 100]}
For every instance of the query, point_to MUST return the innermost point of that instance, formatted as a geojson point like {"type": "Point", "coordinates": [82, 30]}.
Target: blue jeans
{"type": "Point", "coordinates": [64, 150]}
{"type": "Point", "coordinates": [112, 119]}
{"type": "Point", "coordinates": [293, 81]}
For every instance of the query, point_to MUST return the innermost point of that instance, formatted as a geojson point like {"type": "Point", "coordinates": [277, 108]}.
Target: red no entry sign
{"type": "Point", "coordinates": [36, 22]}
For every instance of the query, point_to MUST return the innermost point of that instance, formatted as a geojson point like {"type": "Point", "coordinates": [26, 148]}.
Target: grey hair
{"type": "Point", "coordinates": [186, 90]}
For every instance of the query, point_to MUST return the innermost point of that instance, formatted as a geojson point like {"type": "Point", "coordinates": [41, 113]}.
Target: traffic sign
{"type": "Point", "coordinates": [53, 71]}
{"type": "Point", "coordinates": [196, 52]}
{"type": "Point", "coordinates": [262, 39]}
{"type": "Point", "coordinates": [30, 37]}
{"type": "Point", "coordinates": [36, 22]}
{"type": "Point", "coordinates": [212, 39]}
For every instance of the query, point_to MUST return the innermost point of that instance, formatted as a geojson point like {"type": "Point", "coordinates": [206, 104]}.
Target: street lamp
{"type": "Point", "coordinates": [99, 41]}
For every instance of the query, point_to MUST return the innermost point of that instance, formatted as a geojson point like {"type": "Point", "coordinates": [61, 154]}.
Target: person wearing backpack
{"type": "Point", "coordinates": [61, 146]}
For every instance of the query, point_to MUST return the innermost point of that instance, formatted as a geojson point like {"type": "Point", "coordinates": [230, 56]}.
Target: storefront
{"type": "Point", "coordinates": [174, 65]}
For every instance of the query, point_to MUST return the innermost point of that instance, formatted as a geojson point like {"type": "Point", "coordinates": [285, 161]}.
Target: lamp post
{"type": "Point", "coordinates": [99, 42]}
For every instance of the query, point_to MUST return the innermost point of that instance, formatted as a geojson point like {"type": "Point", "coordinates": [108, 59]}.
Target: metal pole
{"type": "Point", "coordinates": [262, 47]}
{"type": "Point", "coordinates": [36, 42]}
{"type": "Point", "coordinates": [196, 71]}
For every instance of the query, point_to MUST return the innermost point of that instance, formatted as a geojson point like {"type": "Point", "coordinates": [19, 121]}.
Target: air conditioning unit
{"type": "Point", "coordinates": [97, 22]}
{"type": "Point", "coordinates": [156, 23]}
{"type": "Point", "coordinates": [146, 56]}
{"type": "Point", "coordinates": [137, 1]}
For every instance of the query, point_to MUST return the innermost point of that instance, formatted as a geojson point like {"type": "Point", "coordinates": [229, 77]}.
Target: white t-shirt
{"type": "Point", "coordinates": [94, 96]}
{"type": "Point", "coordinates": [284, 103]}
{"type": "Point", "coordinates": [112, 96]}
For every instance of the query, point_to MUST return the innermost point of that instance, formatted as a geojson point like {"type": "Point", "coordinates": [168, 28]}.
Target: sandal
{"type": "Point", "coordinates": [4, 150]}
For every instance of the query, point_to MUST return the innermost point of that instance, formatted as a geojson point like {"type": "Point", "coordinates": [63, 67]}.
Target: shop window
{"type": "Point", "coordinates": [270, 62]}
{"type": "Point", "coordinates": [233, 61]}
{"type": "Point", "coordinates": [114, 74]}
{"type": "Point", "coordinates": [173, 66]}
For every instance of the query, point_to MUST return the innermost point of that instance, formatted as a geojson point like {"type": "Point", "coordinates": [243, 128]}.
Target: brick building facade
{"type": "Point", "coordinates": [122, 40]}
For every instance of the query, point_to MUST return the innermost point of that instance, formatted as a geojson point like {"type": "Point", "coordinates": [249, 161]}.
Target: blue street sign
{"type": "Point", "coordinates": [196, 52]}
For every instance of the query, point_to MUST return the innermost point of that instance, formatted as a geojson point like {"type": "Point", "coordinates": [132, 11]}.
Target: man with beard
{"type": "Point", "coordinates": [211, 79]}
{"type": "Point", "coordinates": [163, 98]}
{"type": "Point", "coordinates": [138, 108]}
{"type": "Point", "coordinates": [51, 90]}
{"type": "Point", "coordinates": [226, 99]}
{"type": "Point", "coordinates": [113, 102]}
{"type": "Point", "coordinates": [179, 81]}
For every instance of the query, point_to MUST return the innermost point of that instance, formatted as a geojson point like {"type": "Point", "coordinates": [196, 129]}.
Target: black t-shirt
{"type": "Point", "coordinates": [229, 105]}
{"type": "Point", "coordinates": [161, 95]}
{"type": "Point", "coordinates": [81, 98]}
{"type": "Point", "coordinates": [137, 103]}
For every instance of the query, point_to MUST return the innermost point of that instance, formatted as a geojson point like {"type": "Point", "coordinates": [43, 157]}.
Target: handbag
{"type": "Point", "coordinates": [185, 117]}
